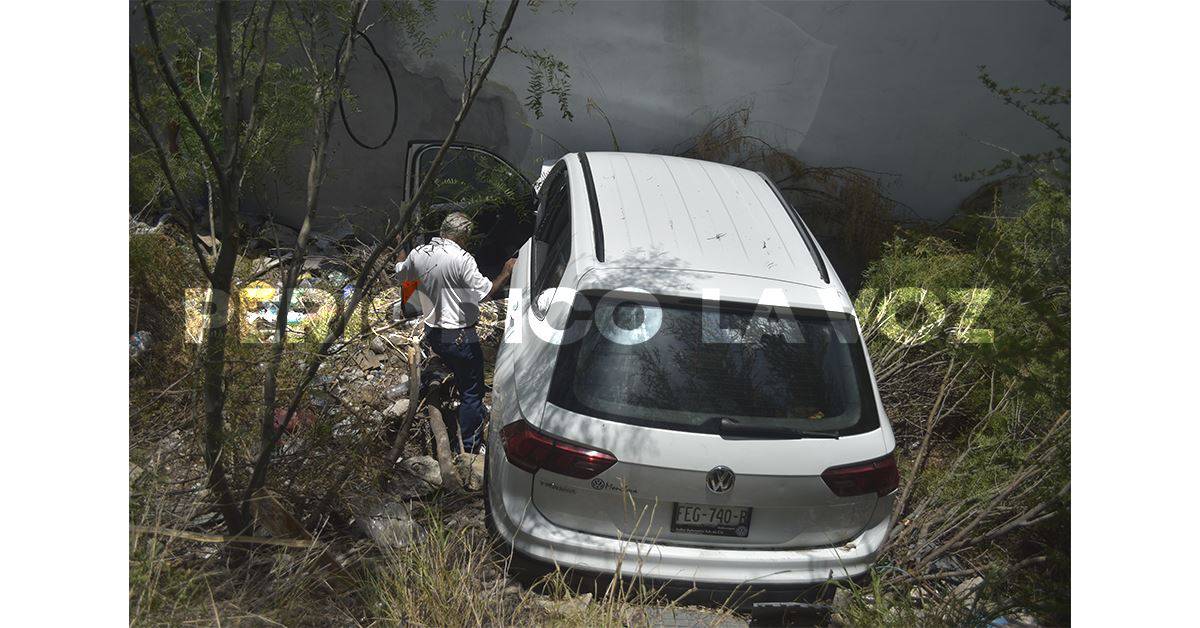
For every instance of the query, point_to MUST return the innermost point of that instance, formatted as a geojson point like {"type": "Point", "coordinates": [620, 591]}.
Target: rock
{"type": "Point", "coordinates": [470, 469]}
{"type": "Point", "coordinates": [387, 522]}
{"type": "Point", "coordinates": [967, 590]}
{"type": "Point", "coordinates": [406, 486]}
{"type": "Point", "coordinates": [693, 616]}
{"type": "Point", "coordinates": [512, 590]}
{"type": "Point", "coordinates": [397, 409]}
{"type": "Point", "coordinates": [137, 227]}
{"type": "Point", "coordinates": [469, 517]}
{"type": "Point", "coordinates": [378, 345]}
{"type": "Point", "coordinates": [367, 360]}
{"type": "Point", "coordinates": [841, 599]}
{"type": "Point", "coordinates": [399, 390]}
{"type": "Point", "coordinates": [491, 572]}
{"type": "Point", "coordinates": [424, 468]}
{"type": "Point", "coordinates": [573, 605]}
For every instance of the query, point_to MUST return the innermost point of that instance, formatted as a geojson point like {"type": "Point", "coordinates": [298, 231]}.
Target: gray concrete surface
{"type": "Point", "coordinates": [886, 86]}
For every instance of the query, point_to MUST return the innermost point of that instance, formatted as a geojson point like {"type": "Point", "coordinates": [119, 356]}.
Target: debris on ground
{"type": "Point", "coordinates": [398, 409]}
{"type": "Point", "coordinates": [470, 469]}
{"type": "Point", "coordinates": [968, 590]}
{"type": "Point", "coordinates": [367, 360]}
{"type": "Point", "coordinates": [139, 343]}
{"type": "Point", "coordinates": [569, 607]}
{"type": "Point", "coordinates": [388, 522]}
{"type": "Point", "coordinates": [400, 390]}
{"type": "Point", "coordinates": [334, 469]}
{"type": "Point", "coordinates": [137, 227]}
{"type": "Point", "coordinates": [422, 468]}
{"type": "Point", "coordinates": [301, 418]}
{"type": "Point", "coordinates": [674, 617]}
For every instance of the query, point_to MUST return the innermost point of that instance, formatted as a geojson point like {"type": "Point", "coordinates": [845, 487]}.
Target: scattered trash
{"type": "Point", "coordinates": [139, 343]}
{"type": "Point", "coordinates": [367, 360]}
{"type": "Point", "coordinates": [967, 590]}
{"type": "Point", "coordinates": [302, 418]}
{"type": "Point", "coordinates": [137, 227]}
{"type": "Point", "coordinates": [1017, 619]}
{"type": "Point", "coordinates": [400, 390]}
{"type": "Point", "coordinates": [397, 409]}
{"type": "Point", "coordinates": [258, 291]}
{"type": "Point", "coordinates": [269, 313]}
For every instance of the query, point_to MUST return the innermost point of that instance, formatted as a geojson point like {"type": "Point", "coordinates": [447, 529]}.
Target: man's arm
{"type": "Point", "coordinates": [501, 279]}
{"type": "Point", "coordinates": [403, 268]}
{"type": "Point", "coordinates": [472, 279]}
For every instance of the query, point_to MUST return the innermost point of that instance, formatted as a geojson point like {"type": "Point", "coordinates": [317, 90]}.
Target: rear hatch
{"type": "Point", "coordinates": [713, 426]}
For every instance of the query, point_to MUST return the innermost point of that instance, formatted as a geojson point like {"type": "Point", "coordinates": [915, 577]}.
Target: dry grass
{"type": "Point", "coordinates": [452, 577]}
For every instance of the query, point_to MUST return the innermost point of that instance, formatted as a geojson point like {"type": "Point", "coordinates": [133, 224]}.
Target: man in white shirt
{"type": "Point", "coordinates": [449, 290]}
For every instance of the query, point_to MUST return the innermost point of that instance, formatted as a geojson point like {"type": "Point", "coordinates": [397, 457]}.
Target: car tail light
{"type": "Point", "coordinates": [874, 476]}
{"type": "Point", "coordinates": [531, 450]}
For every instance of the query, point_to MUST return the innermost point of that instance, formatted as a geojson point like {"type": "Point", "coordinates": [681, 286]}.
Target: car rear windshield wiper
{"type": "Point", "coordinates": [730, 427]}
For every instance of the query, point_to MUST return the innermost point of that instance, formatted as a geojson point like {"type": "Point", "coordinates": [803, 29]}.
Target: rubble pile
{"type": "Point", "coordinates": [346, 420]}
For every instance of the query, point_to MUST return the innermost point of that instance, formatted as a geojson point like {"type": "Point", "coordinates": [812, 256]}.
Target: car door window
{"type": "Point", "coordinates": [552, 242]}
{"type": "Point", "coordinates": [489, 190]}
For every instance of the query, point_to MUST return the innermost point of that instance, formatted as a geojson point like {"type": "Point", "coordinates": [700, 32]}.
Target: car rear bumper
{"type": "Point", "coordinates": [533, 536]}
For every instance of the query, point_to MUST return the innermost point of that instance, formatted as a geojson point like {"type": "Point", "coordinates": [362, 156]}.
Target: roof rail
{"type": "Point", "coordinates": [597, 228]}
{"type": "Point", "coordinates": [809, 241]}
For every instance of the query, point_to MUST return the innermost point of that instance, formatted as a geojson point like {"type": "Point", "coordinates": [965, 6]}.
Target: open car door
{"type": "Point", "coordinates": [482, 185]}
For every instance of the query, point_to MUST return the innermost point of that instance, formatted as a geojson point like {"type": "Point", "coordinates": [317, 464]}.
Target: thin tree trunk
{"type": "Point", "coordinates": [324, 104]}
{"type": "Point", "coordinates": [441, 449]}
{"type": "Point", "coordinates": [370, 271]}
{"type": "Point", "coordinates": [414, 398]}
{"type": "Point", "coordinates": [222, 284]}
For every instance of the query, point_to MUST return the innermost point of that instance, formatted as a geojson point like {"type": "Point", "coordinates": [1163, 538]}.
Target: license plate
{"type": "Point", "coordinates": [711, 520]}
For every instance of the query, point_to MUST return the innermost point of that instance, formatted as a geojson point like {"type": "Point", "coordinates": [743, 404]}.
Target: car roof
{"type": "Point", "coordinates": [665, 212]}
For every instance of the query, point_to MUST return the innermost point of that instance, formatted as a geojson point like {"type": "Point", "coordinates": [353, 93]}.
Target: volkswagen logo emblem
{"type": "Point", "coordinates": [720, 479]}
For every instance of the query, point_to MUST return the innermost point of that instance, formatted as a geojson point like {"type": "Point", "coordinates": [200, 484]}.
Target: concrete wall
{"type": "Point", "coordinates": [886, 86]}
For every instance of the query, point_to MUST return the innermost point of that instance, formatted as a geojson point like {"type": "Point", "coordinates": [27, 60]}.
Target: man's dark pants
{"type": "Point", "coordinates": [459, 349]}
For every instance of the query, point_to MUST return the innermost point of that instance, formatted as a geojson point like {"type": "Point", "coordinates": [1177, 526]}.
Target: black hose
{"type": "Point", "coordinates": [395, 98]}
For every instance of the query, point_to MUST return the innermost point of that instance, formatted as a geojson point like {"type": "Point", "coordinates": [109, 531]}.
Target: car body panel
{"type": "Point", "coordinates": [698, 216]}
{"type": "Point", "coordinates": [779, 479]}
{"type": "Point", "coordinates": [526, 529]}
{"type": "Point", "coordinates": [688, 229]}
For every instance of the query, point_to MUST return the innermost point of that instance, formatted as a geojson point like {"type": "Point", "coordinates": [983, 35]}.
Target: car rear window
{"type": "Point", "coordinates": [685, 366]}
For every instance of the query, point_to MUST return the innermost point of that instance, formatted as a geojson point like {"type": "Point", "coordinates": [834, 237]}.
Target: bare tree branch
{"type": "Point", "coordinates": [256, 96]}
{"type": "Point", "coordinates": [324, 102]}
{"type": "Point", "coordinates": [180, 206]}
{"type": "Point", "coordinates": [371, 269]}
{"type": "Point", "coordinates": [168, 76]}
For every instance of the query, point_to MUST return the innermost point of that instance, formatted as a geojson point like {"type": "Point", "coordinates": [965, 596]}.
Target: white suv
{"type": "Point", "coordinates": [683, 393]}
